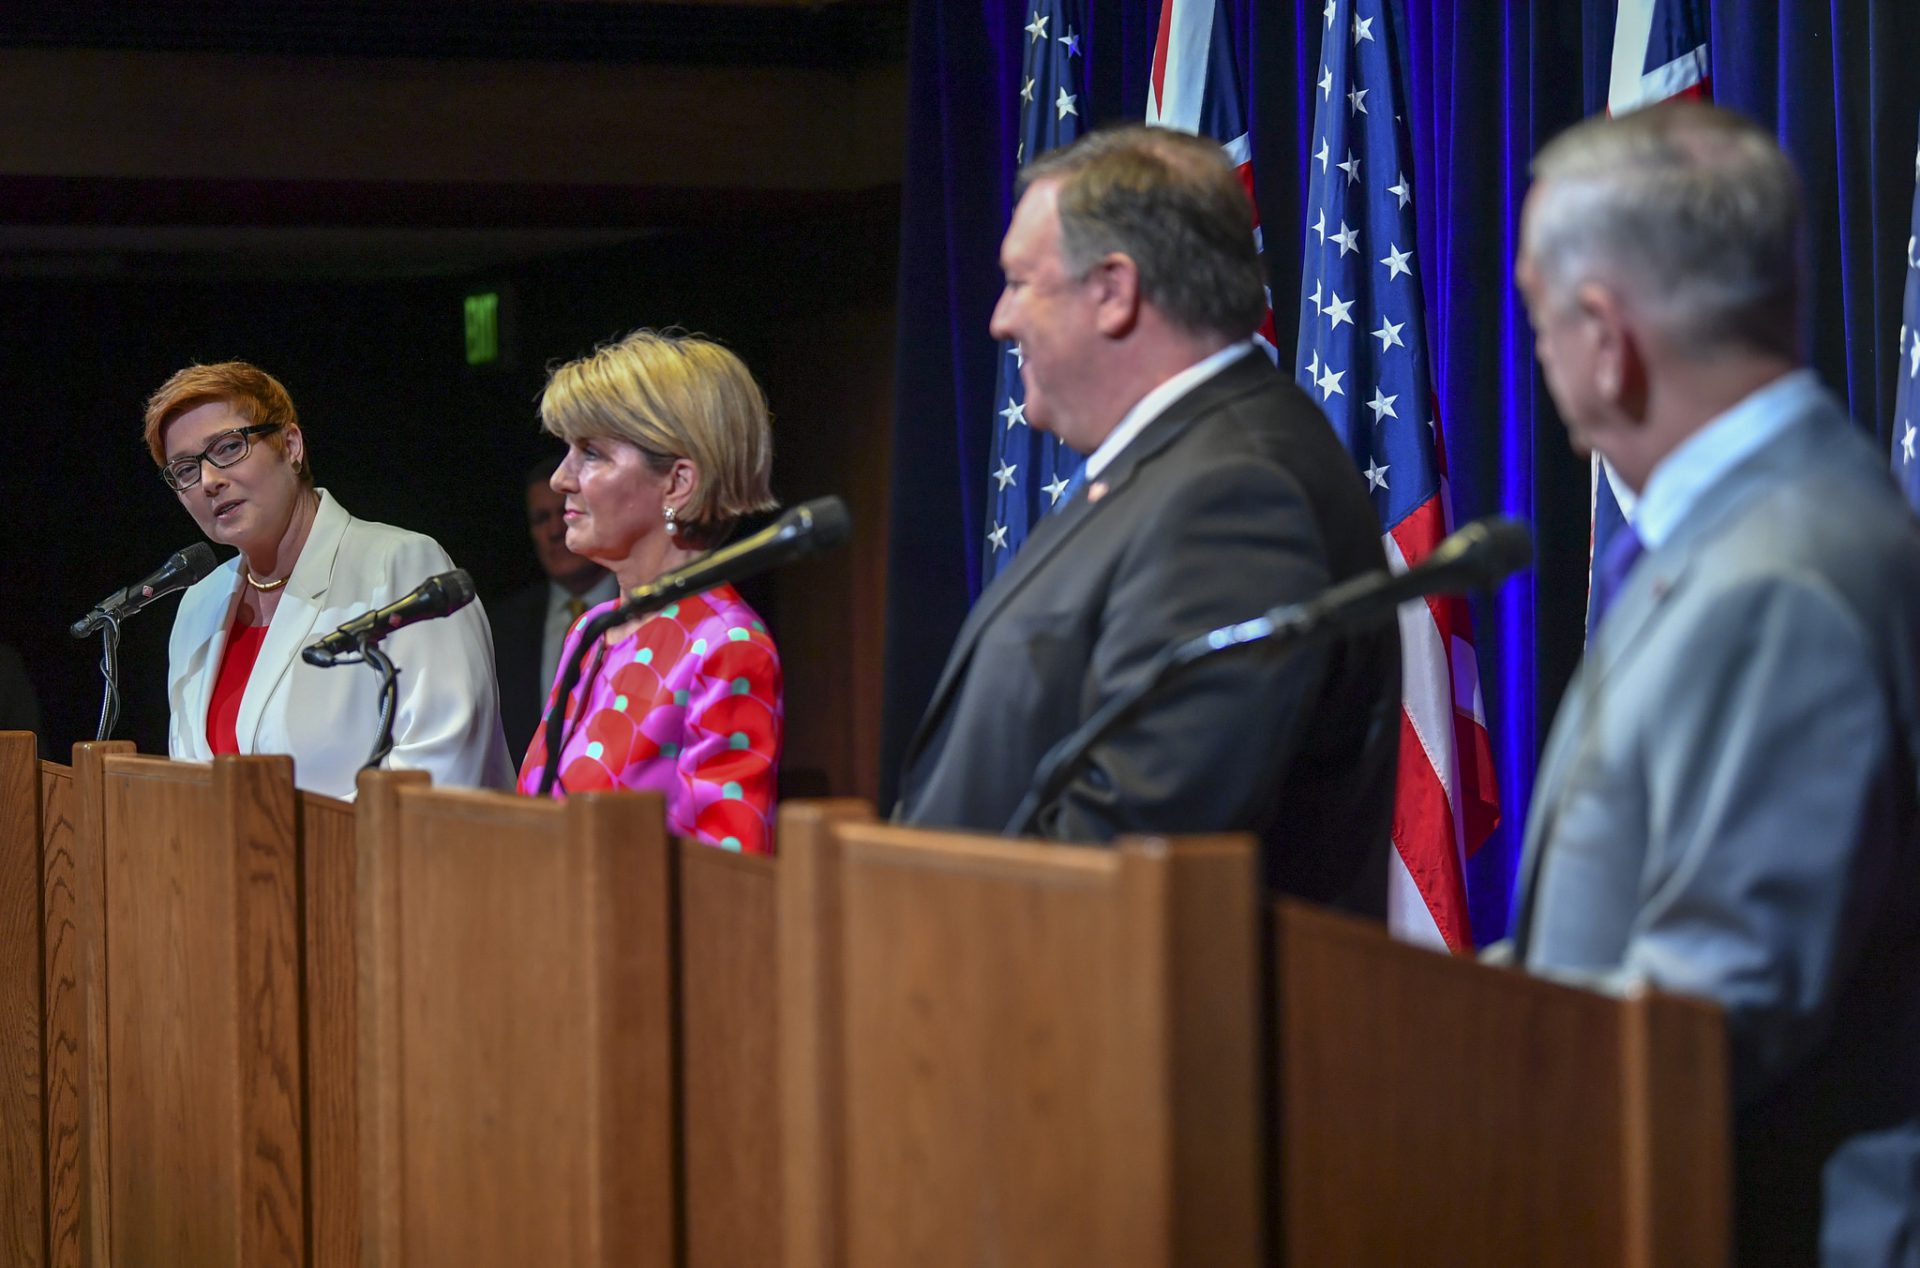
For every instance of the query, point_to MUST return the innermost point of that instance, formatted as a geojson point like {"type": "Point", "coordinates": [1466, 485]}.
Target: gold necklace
{"type": "Point", "coordinates": [258, 584]}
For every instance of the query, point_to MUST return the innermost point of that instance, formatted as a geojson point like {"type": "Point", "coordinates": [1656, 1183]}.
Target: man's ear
{"type": "Point", "coordinates": [1619, 363]}
{"type": "Point", "coordinates": [1115, 283]}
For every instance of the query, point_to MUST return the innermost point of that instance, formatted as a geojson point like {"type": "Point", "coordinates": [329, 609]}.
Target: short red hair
{"type": "Point", "coordinates": [245, 389]}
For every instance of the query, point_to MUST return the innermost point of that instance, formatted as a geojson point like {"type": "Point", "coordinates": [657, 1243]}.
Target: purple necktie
{"type": "Point", "coordinates": [1610, 571]}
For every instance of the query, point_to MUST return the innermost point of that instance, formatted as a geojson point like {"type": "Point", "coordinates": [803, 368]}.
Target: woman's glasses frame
{"type": "Point", "coordinates": [182, 482]}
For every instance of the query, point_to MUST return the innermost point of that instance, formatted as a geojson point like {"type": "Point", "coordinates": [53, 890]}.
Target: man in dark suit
{"type": "Point", "coordinates": [530, 625]}
{"type": "Point", "coordinates": [1729, 805]}
{"type": "Point", "coordinates": [1213, 490]}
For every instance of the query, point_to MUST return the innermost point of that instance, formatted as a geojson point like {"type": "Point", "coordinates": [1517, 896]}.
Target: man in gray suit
{"type": "Point", "coordinates": [1213, 490]}
{"type": "Point", "coordinates": [1728, 804]}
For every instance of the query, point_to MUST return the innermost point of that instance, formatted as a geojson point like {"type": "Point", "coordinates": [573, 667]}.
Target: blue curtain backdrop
{"type": "Point", "coordinates": [1487, 84]}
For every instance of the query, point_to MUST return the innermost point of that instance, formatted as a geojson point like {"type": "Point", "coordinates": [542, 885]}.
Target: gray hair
{"type": "Point", "coordinates": [1693, 207]}
{"type": "Point", "coordinates": [1170, 202]}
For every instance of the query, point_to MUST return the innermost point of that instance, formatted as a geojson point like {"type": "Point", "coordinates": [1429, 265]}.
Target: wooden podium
{"type": "Point", "coordinates": [570, 1050]}
{"type": "Point", "coordinates": [198, 1017]}
{"type": "Point", "coordinates": [1025, 1054]}
{"type": "Point", "coordinates": [1001, 1052]}
{"type": "Point", "coordinates": [241, 1025]}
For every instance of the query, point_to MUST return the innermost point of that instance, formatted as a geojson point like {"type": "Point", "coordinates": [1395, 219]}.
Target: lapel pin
{"type": "Point", "coordinates": [1096, 491]}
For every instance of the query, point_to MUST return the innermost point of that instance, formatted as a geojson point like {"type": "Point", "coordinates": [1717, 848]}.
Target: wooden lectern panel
{"type": "Point", "coordinates": [1026, 1054]}
{"type": "Point", "coordinates": [204, 965]}
{"type": "Point", "coordinates": [1438, 1111]}
{"type": "Point", "coordinates": [23, 1229]}
{"type": "Point", "coordinates": [729, 1058]}
{"type": "Point", "coordinates": [329, 862]}
{"type": "Point", "coordinates": [517, 991]}
{"type": "Point", "coordinates": [73, 894]}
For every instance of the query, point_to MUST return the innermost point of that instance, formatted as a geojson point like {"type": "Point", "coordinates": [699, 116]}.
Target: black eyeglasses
{"type": "Point", "coordinates": [227, 448]}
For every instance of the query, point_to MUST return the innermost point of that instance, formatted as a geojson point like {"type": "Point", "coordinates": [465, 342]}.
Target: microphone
{"type": "Point", "coordinates": [1472, 558]}
{"type": "Point", "coordinates": [435, 597]}
{"type": "Point", "coordinates": [182, 569]}
{"type": "Point", "coordinates": [809, 527]}
{"type": "Point", "coordinates": [1479, 555]}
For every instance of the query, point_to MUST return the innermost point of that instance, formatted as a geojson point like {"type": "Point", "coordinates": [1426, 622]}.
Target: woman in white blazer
{"type": "Point", "coordinates": [230, 446]}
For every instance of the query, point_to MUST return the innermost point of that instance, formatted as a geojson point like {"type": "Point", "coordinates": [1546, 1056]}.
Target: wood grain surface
{"type": "Point", "coordinates": [1439, 1111]}
{"type": "Point", "coordinates": [326, 829]}
{"type": "Point", "coordinates": [812, 1102]}
{"type": "Point", "coordinates": [517, 1098]}
{"type": "Point", "coordinates": [23, 1225]}
{"type": "Point", "coordinates": [73, 891]}
{"type": "Point", "coordinates": [729, 1057]}
{"type": "Point", "coordinates": [999, 1048]}
{"type": "Point", "coordinates": [206, 1086]}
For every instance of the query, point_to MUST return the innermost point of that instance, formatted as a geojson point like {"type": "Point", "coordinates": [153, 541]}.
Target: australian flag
{"type": "Point", "coordinates": [1659, 54]}
{"type": "Point", "coordinates": [1906, 397]}
{"type": "Point", "coordinates": [1029, 471]}
{"type": "Point", "coordinates": [1363, 357]}
{"type": "Point", "coordinates": [1195, 87]}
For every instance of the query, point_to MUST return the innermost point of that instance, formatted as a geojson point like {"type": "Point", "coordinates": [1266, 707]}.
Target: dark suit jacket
{"type": "Point", "coordinates": [1236, 498]}
{"type": "Point", "coordinates": [519, 625]}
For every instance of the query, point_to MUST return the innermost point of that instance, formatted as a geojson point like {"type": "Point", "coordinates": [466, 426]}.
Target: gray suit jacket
{"type": "Point", "coordinates": [1727, 808]}
{"type": "Point", "coordinates": [1236, 498]}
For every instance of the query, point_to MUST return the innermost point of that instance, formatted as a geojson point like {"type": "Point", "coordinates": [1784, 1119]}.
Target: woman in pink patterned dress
{"type": "Point", "coordinates": [668, 445]}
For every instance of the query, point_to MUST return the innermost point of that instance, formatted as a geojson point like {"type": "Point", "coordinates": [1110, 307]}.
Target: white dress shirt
{"type": "Point", "coordinates": [1154, 404]}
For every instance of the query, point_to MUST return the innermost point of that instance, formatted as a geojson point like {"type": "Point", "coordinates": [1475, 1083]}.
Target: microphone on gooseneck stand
{"type": "Point", "coordinates": [182, 569]}
{"type": "Point", "coordinates": [1479, 555]}
{"type": "Point", "coordinates": [357, 642]}
{"type": "Point", "coordinates": [435, 597]}
{"type": "Point", "coordinates": [810, 527]}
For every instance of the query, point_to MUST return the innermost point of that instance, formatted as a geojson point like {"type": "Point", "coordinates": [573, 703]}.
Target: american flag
{"type": "Point", "coordinates": [1363, 357]}
{"type": "Point", "coordinates": [1906, 397]}
{"type": "Point", "coordinates": [1659, 54]}
{"type": "Point", "coordinates": [1028, 470]}
{"type": "Point", "coordinates": [1196, 88]}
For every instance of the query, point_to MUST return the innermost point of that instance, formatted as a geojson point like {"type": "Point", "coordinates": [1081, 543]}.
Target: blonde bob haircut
{"type": "Point", "coordinates": [674, 395]}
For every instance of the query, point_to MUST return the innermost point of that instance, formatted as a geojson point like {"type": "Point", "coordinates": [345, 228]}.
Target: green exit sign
{"type": "Point", "coordinates": [483, 328]}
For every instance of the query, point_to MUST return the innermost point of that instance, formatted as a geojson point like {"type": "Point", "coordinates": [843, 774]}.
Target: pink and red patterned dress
{"type": "Point", "coordinates": [688, 705]}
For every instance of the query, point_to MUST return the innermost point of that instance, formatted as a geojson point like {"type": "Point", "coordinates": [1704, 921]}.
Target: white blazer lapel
{"type": "Point", "coordinates": [206, 624]}
{"type": "Point", "coordinates": [293, 620]}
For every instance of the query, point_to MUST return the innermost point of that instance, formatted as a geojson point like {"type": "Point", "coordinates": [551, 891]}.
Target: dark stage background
{"type": "Point", "coordinates": [402, 430]}
{"type": "Point", "coordinates": [315, 185]}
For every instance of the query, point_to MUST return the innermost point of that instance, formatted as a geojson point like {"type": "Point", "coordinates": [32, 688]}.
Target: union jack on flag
{"type": "Point", "coordinates": [1030, 471]}
{"type": "Point", "coordinates": [1659, 54]}
{"type": "Point", "coordinates": [1196, 88]}
{"type": "Point", "coordinates": [1363, 357]}
{"type": "Point", "coordinates": [1906, 396]}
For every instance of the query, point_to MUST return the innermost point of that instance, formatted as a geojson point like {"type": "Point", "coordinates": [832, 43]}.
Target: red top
{"type": "Point", "coordinates": [236, 666]}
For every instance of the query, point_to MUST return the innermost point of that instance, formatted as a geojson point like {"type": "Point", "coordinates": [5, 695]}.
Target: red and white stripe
{"type": "Point", "coordinates": [1445, 804]}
